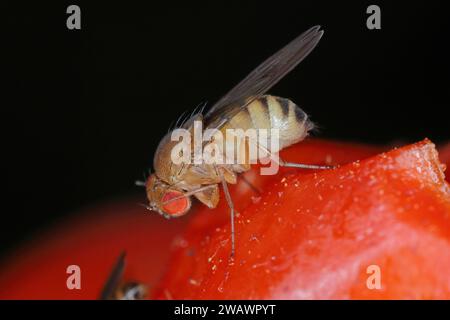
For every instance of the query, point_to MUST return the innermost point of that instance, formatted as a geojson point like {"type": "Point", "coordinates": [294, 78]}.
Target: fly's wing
{"type": "Point", "coordinates": [262, 78]}
{"type": "Point", "coordinates": [114, 278]}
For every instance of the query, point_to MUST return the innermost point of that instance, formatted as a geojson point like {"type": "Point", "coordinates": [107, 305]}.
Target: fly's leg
{"type": "Point", "coordinates": [303, 165]}
{"type": "Point", "coordinates": [231, 206]}
{"type": "Point", "coordinates": [283, 163]}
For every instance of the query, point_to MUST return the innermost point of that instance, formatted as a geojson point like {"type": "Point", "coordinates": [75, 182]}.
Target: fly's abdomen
{"type": "Point", "coordinates": [270, 112]}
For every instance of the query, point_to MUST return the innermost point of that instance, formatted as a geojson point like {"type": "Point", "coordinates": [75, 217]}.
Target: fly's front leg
{"type": "Point", "coordinates": [230, 205]}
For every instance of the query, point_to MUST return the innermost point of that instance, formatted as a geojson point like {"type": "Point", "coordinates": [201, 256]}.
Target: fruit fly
{"type": "Point", "coordinates": [115, 289]}
{"type": "Point", "coordinates": [170, 187]}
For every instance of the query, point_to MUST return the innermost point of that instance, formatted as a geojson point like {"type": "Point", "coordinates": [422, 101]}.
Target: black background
{"type": "Point", "coordinates": [83, 110]}
{"type": "Point", "coordinates": [284, 309]}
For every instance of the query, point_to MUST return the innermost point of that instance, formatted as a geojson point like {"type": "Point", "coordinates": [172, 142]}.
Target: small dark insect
{"type": "Point", "coordinates": [115, 289]}
{"type": "Point", "coordinates": [170, 187]}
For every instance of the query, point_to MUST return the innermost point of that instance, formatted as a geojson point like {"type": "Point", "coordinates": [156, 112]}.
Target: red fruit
{"type": "Point", "coordinates": [92, 241]}
{"type": "Point", "coordinates": [321, 253]}
{"type": "Point", "coordinates": [314, 236]}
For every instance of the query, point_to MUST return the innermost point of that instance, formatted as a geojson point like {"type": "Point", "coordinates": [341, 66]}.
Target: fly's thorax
{"type": "Point", "coordinates": [166, 169]}
{"type": "Point", "coordinates": [176, 151]}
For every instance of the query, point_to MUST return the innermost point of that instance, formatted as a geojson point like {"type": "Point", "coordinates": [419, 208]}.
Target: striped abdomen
{"type": "Point", "coordinates": [270, 112]}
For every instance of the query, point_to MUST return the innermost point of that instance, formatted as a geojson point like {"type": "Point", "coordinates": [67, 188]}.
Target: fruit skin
{"type": "Point", "coordinates": [444, 155]}
{"type": "Point", "coordinates": [94, 238]}
{"type": "Point", "coordinates": [313, 236]}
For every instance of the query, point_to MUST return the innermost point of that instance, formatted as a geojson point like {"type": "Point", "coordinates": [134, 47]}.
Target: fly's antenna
{"type": "Point", "coordinates": [145, 206]}
{"type": "Point", "coordinates": [142, 183]}
{"type": "Point", "coordinates": [139, 183]}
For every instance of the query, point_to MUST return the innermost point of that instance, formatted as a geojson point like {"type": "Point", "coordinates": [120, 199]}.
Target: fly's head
{"type": "Point", "coordinates": [166, 199]}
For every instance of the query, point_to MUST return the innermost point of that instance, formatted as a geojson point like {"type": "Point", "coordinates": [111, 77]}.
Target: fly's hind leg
{"type": "Point", "coordinates": [287, 164]}
{"type": "Point", "coordinates": [303, 165]}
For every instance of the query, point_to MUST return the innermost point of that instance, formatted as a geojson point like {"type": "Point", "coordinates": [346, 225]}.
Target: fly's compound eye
{"type": "Point", "coordinates": [175, 203]}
